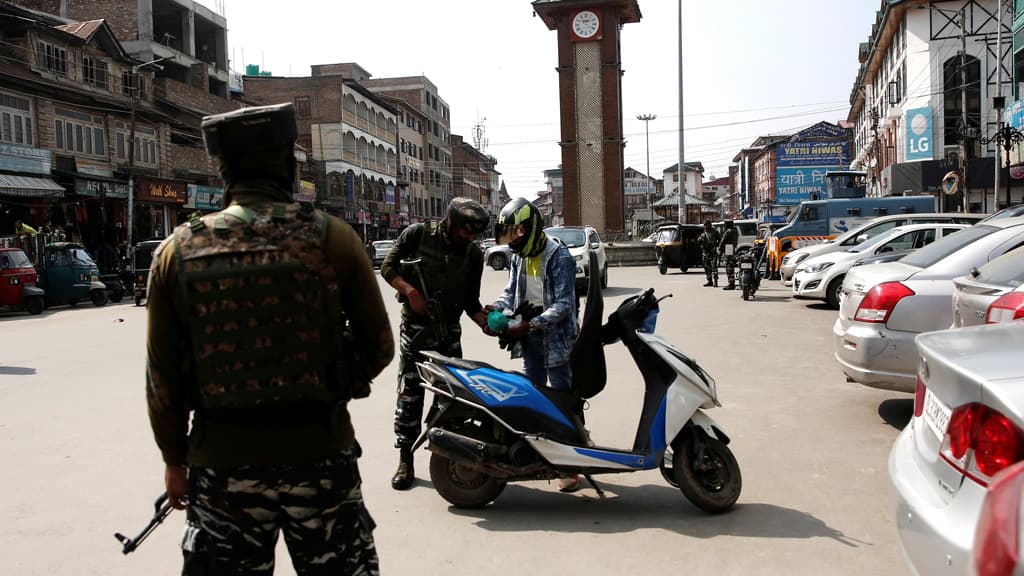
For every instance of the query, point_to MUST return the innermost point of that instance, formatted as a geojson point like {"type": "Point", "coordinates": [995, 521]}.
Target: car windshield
{"type": "Point", "coordinates": [870, 243]}
{"type": "Point", "coordinates": [668, 235]}
{"type": "Point", "coordinates": [571, 238]}
{"type": "Point", "coordinates": [80, 256]}
{"type": "Point", "coordinates": [14, 259]}
{"type": "Point", "coordinates": [143, 258]}
{"type": "Point", "coordinates": [932, 253]}
{"type": "Point", "coordinates": [1007, 270]}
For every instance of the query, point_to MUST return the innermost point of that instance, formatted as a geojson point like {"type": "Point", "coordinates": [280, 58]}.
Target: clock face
{"type": "Point", "coordinates": [585, 24]}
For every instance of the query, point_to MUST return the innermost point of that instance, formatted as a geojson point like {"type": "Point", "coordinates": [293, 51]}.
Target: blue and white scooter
{"type": "Point", "coordinates": [488, 427]}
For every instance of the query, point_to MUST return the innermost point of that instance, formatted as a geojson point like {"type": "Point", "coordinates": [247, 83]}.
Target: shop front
{"type": "Point", "coordinates": [157, 204]}
{"type": "Point", "coordinates": [27, 193]}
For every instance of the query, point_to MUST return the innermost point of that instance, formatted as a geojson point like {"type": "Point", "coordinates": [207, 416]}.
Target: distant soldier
{"type": "Point", "coordinates": [709, 240]}
{"type": "Point", "coordinates": [247, 391]}
{"type": "Point", "coordinates": [727, 248]}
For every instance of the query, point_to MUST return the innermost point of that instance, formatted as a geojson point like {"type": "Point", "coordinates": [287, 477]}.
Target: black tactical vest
{"type": "Point", "coordinates": [444, 270]}
{"type": "Point", "coordinates": [255, 287]}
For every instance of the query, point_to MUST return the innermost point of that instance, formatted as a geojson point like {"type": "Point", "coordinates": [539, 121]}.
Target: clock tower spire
{"type": "Point", "coordinates": [590, 104]}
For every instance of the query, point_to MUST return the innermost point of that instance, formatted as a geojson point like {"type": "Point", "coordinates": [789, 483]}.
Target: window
{"type": "Point", "coordinates": [16, 119]}
{"type": "Point", "coordinates": [131, 81]}
{"type": "Point", "coordinates": [94, 72]}
{"type": "Point", "coordinates": [302, 109]}
{"type": "Point", "coordinates": [79, 133]}
{"type": "Point", "coordinates": [145, 144]}
{"type": "Point", "coordinates": [52, 58]}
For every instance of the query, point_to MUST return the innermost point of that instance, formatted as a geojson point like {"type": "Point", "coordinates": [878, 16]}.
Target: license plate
{"type": "Point", "coordinates": [746, 266]}
{"type": "Point", "coordinates": [936, 414]}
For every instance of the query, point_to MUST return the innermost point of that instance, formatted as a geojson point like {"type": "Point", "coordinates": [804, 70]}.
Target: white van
{"type": "Point", "coordinates": [747, 230]}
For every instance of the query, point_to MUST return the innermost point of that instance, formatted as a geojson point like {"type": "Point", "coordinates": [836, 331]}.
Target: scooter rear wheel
{"type": "Point", "coordinates": [707, 473]}
{"type": "Point", "coordinates": [461, 485]}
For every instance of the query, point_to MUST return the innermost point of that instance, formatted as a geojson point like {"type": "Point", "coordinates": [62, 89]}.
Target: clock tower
{"type": "Point", "coordinates": [590, 95]}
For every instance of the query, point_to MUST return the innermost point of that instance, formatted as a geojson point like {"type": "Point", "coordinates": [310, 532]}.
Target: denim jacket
{"type": "Point", "coordinates": [558, 321]}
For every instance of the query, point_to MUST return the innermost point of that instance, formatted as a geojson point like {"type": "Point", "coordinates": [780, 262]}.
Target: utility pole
{"type": "Point", "coordinates": [963, 106]}
{"type": "Point", "coordinates": [646, 119]}
{"type": "Point", "coordinates": [682, 154]}
{"type": "Point", "coordinates": [131, 146]}
{"type": "Point", "coordinates": [998, 101]}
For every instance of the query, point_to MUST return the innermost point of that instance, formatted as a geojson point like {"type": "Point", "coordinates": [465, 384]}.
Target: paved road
{"type": "Point", "coordinates": [79, 461]}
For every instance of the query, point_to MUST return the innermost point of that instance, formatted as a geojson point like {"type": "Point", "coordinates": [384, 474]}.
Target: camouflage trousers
{"type": "Point", "coordinates": [730, 269]}
{"type": "Point", "coordinates": [409, 407]}
{"type": "Point", "coordinates": [234, 516]}
{"type": "Point", "coordinates": [710, 258]}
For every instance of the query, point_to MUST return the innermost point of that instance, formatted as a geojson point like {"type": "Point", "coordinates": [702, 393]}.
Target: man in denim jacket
{"type": "Point", "coordinates": [543, 273]}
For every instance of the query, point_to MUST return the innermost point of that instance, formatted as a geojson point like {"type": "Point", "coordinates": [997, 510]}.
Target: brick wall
{"type": "Point", "coordinates": [190, 97]}
{"type": "Point", "coordinates": [122, 16]}
{"type": "Point", "coordinates": [324, 93]}
{"type": "Point", "coordinates": [190, 159]}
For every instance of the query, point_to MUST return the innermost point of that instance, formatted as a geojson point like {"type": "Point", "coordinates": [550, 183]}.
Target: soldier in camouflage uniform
{"type": "Point", "coordinates": [249, 309]}
{"type": "Point", "coordinates": [727, 247]}
{"type": "Point", "coordinates": [451, 265]}
{"type": "Point", "coordinates": [708, 241]}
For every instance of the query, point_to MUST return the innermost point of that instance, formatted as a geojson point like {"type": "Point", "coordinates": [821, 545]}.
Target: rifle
{"type": "Point", "coordinates": [162, 509]}
{"type": "Point", "coordinates": [433, 304]}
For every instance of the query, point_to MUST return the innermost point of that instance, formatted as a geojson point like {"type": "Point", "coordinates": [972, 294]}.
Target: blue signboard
{"type": "Point", "coordinates": [811, 154]}
{"type": "Point", "coordinates": [801, 166]}
{"type": "Point", "coordinates": [209, 198]}
{"type": "Point", "coordinates": [794, 185]}
{"type": "Point", "coordinates": [919, 134]}
{"type": "Point", "coordinates": [25, 159]}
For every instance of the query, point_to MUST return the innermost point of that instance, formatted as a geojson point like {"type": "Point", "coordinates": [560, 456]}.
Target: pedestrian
{"type": "Point", "coordinates": [247, 310]}
{"type": "Point", "coordinates": [709, 240]}
{"type": "Point", "coordinates": [543, 274]}
{"type": "Point", "coordinates": [727, 248]}
{"type": "Point", "coordinates": [446, 284]}
{"type": "Point", "coordinates": [20, 228]}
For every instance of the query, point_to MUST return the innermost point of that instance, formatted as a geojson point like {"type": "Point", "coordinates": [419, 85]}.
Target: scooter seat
{"type": "Point", "coordinates": [457, 362]}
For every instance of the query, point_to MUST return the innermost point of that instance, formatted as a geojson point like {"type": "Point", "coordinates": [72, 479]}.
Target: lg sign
{"type": "Point", "coordinates": [919, 134]}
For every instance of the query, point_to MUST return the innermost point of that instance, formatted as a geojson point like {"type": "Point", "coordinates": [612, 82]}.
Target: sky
{"type": "Point", "coordinates": [750, 68]}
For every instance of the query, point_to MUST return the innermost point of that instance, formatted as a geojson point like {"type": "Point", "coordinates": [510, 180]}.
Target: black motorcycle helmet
{"type": "Point", "coordinates": [256, 143]}
{"type": "Point", "coordinates": [519, 225]}
{"type": "Point", "coordinates": [467, 214]}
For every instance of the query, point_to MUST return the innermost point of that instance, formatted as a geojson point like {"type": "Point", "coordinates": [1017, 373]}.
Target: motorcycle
{"type": "Point", "coordinates": [489, 427]}
{"type": "Point", "coordinates": [750, 263]}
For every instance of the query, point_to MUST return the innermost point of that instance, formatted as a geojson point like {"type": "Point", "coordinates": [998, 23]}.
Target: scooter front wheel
{"type": "Point", "coordinates": [461, 485]}
{"type": "Point", "coordinates": [707, 473]}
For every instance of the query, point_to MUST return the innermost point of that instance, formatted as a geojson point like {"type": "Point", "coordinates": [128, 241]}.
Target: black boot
{"type": "Point", "coordinates": [716, 282]}
{"type": "Point", "coordinates": [709, 283]}
{"type": "Point", "coordinates": [405, 475]}
{"type": "Point", "coordinates": [731, 286]}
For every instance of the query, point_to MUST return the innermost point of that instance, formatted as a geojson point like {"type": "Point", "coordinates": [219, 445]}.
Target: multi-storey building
{"type": "Point", "coordinates": [415, 199]}
{"type": "Point", "coordinates": [473, 173]}
{"type": "Point", "coordinates": [353, 133]}
{"type": "Point", "coordinates": [553, 197]}
{"type": "Point", "coordinates": [420, 92]}
{"type": "Point", "coordinates": [921, 63]}
{"type": "Point", "coordinates": [640, 190]}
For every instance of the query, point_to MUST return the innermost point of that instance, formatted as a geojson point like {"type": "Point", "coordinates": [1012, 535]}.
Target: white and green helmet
{"type": "Point", "coordinates": [519, 212]}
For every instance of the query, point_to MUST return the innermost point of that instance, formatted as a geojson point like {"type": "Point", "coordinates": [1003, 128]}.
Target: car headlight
{"type": "Point", "coordinates": [13, 281]}
{"type": "Point", "coordinates": [820, 266]}
{"type": "Point", "coordinates": [800, 258]}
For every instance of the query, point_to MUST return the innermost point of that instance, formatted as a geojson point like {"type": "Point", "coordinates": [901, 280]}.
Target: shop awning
{"type": "Point", "coordinates": [29, 186]}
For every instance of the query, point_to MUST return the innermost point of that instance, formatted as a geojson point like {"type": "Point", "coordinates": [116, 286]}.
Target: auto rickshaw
{"type": "Point", "coordinates": [70, 275]}
{"type": "Point", "coordinates": [677, 247]}
{"type": "Point", "coordinates": [142, 260]}
{"type": "Point", "coordinates": [18, 280]}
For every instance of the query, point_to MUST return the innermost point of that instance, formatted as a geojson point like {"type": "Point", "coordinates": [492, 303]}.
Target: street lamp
{"type": "Point", "coordinates": [646, 119]}
{"type": "Point", "coordinates": [131, 144]}
{"type": "Point", "coordinates": [1006, 136]}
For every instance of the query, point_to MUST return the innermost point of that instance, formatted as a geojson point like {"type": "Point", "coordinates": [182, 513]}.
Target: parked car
{"type": "Point", "coordinates": [485, 243]}
{"type": "Point", "coordinates": [1011, 212]}
{"type": "Point", "coordinates": [821, 277]}
{"type": "Point", "coordinates": [884, 306]}
{"type": "Point", "coordinates": [866, 232]}
{"type": "Point", "coordinates": [747, 230]}
{"type": "Point", "coordinates": [381, 248]}
{"type": "Point", "coordinates": [498, 257]}
{"type": "Point", "coordinates": [991, 294]}
{"type": "Point", "coordinates": [581, 241]}
{"type": "Point", "coordinates": [997, 537]}
{"type": "Point", "coordinates": [650, 238]}
{"type": "Point", "coordinates": [968, 425]}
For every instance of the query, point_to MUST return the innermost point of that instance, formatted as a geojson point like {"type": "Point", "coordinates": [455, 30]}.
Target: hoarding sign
{"type": "Point", "coordinates": [919, 134]}
{"type": "Point", "coordinates": [209, 198]}
{"type": "Point", "coordinates": [25, 159]}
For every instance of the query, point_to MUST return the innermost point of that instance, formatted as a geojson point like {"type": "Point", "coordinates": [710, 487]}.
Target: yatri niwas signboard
{"type": "Point", "coordinates": [801, 168]}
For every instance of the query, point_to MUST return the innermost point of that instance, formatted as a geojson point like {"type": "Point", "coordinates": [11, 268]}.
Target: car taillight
{"type": "Point", "coordinates": [919, 397]}
{"type": "Point", "coordinates": [995, 442]}
{"type": "Point", "coordinates": [996, 537]}
{"type": "Point", "coordinates": [1006, 308]}
{"type": "Point", "coordinates": [879, 302]}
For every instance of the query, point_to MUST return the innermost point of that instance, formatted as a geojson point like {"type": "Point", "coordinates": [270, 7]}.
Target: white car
{"type": "Point", "coordinates": [873, 228]}
{"type": "Point", "coordinates": [581, 241]}
{"type": "Point", "coordinates": [821, 277]}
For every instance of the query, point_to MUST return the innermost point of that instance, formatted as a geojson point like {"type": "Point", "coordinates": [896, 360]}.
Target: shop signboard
{"type": "Point", "coordinates": [208, 198]}
{"type": "Point", "coordinates": [162, 191]}
{"type": "Point", "coordinates": [100, 188]}
{"type": "Point", "coordinates": [25, 159]}
{"type": "Point", "coordinates": [1014, 116]}
{"type": "Point", "coordinates": [306, 192]}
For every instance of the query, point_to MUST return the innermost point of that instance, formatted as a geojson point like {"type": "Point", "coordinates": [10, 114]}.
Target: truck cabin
{"type": "Point", "coordinates": [845, 184]}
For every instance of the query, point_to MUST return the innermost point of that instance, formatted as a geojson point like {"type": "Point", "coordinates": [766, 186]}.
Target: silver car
{"type": "Point", "coordinates": [991, 294]}
{"type": "Point", "coordinates": [884, 306]}
{"type": "Point", "coordinates": [968, 425]}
